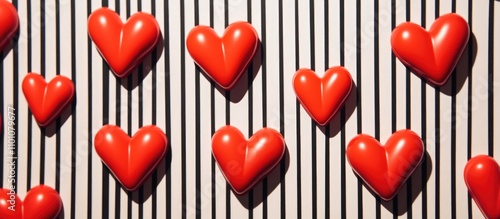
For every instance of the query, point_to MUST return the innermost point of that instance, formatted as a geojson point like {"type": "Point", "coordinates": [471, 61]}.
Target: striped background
{"type": "Point", "coordinates": [456, 121]}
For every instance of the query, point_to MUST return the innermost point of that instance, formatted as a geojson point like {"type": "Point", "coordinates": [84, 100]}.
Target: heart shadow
{"type": "Point", "coordinates": [13, 42]}
{"type": "Point", "coordinates": [261, 190]}
{"type": "Point", "coordinates": [57, 124]}
{"type": "Point", "coordinates": [148, 188]}
{"type": "Point", "coordinates": [410, 190]}
{"type": "Point", "coordinates": [335, 125]}
{"type": "Point", "coordinates": [141, 72]}
{"type": "Point", "coordinates": [463, 69]}
{"type": "Point", "coordinates": [245, 81]}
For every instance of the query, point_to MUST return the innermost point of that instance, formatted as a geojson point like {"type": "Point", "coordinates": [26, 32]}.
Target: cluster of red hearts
{"type": "Point", "coordinates": [430, 54]}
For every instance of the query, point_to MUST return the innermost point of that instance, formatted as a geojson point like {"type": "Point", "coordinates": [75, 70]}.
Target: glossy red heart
{"type": "Point", "coordinates": [123, 46]}
{"type": "Point", "coordinates": [431, 54]}
{"type": "Point", "coordinates": [40, 202]}
{"type": "Point", "coordinates": [131, 160]}
{"type": "Point", "coordinates": [47, 100]}
{"type": "Point", "coordinates": [223, 59]}
{"type": "Point", "coordinates": [244, 163]}
{"type": "Point", "coordinates": [9, 22]}
{"type": "Point", "coordinates": [482, 177]}
{"type": "Point", "coordinates": [322, 97]}
{"type": "Point", "coordinates": [385, 168]}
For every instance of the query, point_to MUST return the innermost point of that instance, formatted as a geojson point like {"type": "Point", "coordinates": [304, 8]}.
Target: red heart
{"type": "Point", "coordinates": [244, 163]}
{"type": "Point", "coordinates": [482, 177]}
{"type": "Point", "coordinates": [9, 22]}
{"type": "Point", "coordinates": [40, 202]}
{"type": "Point", "coordinates": [223, 59]}
{"type": "Point", "coordinates": [47, 101]}
{"type": "Point", "coordinates": [131, 160]}
{"type": "Point", "coordinates": [385, 168]}
{"type": "Point", "coordinates": [433, 55]}
{"type": "Point", "coordinates": [123, 46]}
{"type": "Point", "coordinates": [322, 97]}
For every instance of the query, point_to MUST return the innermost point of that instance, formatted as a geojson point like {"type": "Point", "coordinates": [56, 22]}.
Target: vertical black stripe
{"type": "Point", "coordinates": [154, 177]}
{"type": "Point", "coordinates": [89, 116]}
{"type": "Point", "coordinates": [105, 121]}
{"type": "Point", "coordinates": [58, 121]}
{"type": "Point", "coordinates": [30, 118]}
{"type": "Point", "coordinates": [491, 41]}
{"type": "Point", "coordinates": [313, 124]}
{"type": "Point", "coordinates": [198, 123]}
{"type": "Point", "coordinates": [376, 81]}
{"type": "Point", "coordinates": [327, 128]}
{"type": "Point", "coordinates": [250, 107]}
{"type": "Point", "coordinates": [15, 50]}
{"type": "Point", "coordinates": [139, 77]}
{"type": "Point", "coordinates": [168, 120]}
{"type": "Point", "coordinates": [437, 137]}
{"type": "Point", "coordinates": [394, 95]}
{"type": "Point", "coordinates": [423, 100]}
{"type": "Point", "coordinates": [228, 114]}
{"type": "Point", "coordinates": [297, 116]}
{"type": "Point", "coordinates": [409, 211]}
{"type": "Point", "coordinates": [212, 126]}
{"type": "Point", "coordinates": [343, 207]}
{"type": "Point", "coordinates": [117, 123]}
{"type": "Point", "coordinates": [73, 109]}
{"type": "Point", "coordinates": [358, 83]}
{"type": "Point", "coordinates": [42, 71]}
{"type": "Point", "coordinates": [264, 94]}
{"type": "Point", "coordinates": [453, 133]}
{"type": "Point", "coordinates": [129, 117]}
{"type": "Point", "coordinates": [282, 107]}
{"type": "Point", "coordinates": [470, 50]}
{"type": "Point", "coordinates": [183, 111]}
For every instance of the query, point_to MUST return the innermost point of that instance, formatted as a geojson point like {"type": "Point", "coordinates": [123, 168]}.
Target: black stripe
{"type": "Point", "coordinates": [342, 116]}
{"type": "Point", "coordinates": [42, 71]}
{"type": "Point", "coordinates": [168, 120]}
{"type": "Point", "coordinates": [58, 121]}
{"type": "Point", "coordinates": [394, 96]}
{"type": "Point", "coordinates": [327, 128]}
{"type": "Point", "coordinates": [453, 133]}
{"type": "Point", "coordinates": [469, 101]}
{"type": "Point", "coordinates": [154, 177]}
{"type": "Point", "coordinates": [197, 122]}
{"type": "Point", "coordinates": [228, 114]}
{"type": "Point", "coordinates": [138, 79]}
{"type": "Point", "coordinates": [73, 109]}
{"type": "Point", "coordinates": [313, 124]}
{"type": "Point", "coordinates": [282, 106]}
{"type": "Point", "coordinates": [376, 82]}
{"type": "Point", "coordinates": [89, 116]}
{"type": "Point", "coordinates": [129, 116]}
{"type": "Point", "coordinates": [183, 111]}
{"type": "Point", "coordinates": [117, 123]}
{"type": "Point", "coordinates": [15, 50]}
{"type": "Point", "coordinates": [212, 126]}
{"type": "Point", "coordinates": [264, 95]}
{"type": "Point", "coordinates": [423, 101]}
{"type": "Point", "coordinates": [358, 85]}
{"type": "Point", "coordinates": [297, 116]}
{"type": "Point", "coordinates": [409, 210]}
{"type": "Point", "coordinates": [30, 117]}
{"type": "Point", "coordinates": [105, 121]}
{"type": "Point", "coordinates": [250, 108]}
{"type": "Point", "coordinates": [491, 42]}
{"type": "Point", "coordinates": [437, 136]}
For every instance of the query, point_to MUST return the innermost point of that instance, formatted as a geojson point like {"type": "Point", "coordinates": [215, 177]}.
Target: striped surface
{"type": "Point", "coordinates": [456, 121]}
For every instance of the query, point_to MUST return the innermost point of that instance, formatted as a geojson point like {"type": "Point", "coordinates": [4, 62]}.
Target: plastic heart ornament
{"type": "Point", "coordinates": [244, 163]}
{"type": "Point", "coordinates": [223, 59]}
{"type": "Point", "coordinates": [131, 160]}
{"type": "Point", "coordinates": [40, 202]}
{"type": "Point", "coordinates": [385, 168]}
{"type": "Point", "coordinates": [322, 97]}
{"type": "Point", "coordinates": [435, 53]}
{"type": "Point", "coordinates": [123, 45]}
{"type": "Point", "coordinates": [482, 177]}
{"type": "Point", "coordinates": [9, 22]}
{"type": "Point", "coordinates": [47, 100]}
